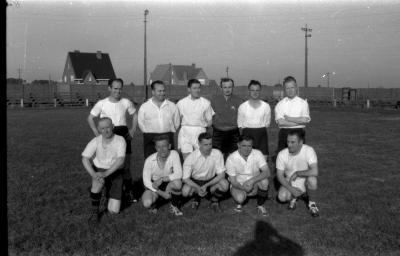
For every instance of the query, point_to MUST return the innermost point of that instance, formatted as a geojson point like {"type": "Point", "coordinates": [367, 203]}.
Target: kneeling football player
{"type": "Point", "coordinates": [297, 171]}
{"type": "Point", "coordinates": [162, 174]}
{"type": "Point", "coordinates": [204, 173]}
{"type": "Point", "coordinates": [248, 173]}
{"type": "Point", "coordinates": [108, 150]}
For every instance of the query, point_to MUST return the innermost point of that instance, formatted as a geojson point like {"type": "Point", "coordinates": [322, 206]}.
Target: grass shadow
{"type": "Point", "coordinates": [267, 241]}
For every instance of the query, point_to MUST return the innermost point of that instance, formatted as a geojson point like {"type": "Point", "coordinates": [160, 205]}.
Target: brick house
{"type": "Point", "coordinates": [88, 68]}
{"type": "Point", "coordinates": [178, 74]}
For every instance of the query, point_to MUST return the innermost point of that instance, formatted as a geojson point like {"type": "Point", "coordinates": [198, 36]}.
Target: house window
{"type": "Point", "coordinates": [72, 77]}
{"type": "Point", "coordinates": [90, 79]}
{"type": "Point", "coordinates": [65, 79]}
{"type": "Point", "coordinates": [202, 81]}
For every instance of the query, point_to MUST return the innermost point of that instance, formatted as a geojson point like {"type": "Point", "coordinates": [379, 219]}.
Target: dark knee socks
{"type": "Point", "coordinates": [262, 196]}
{"type": "Point", "coordinates": [95, 198]}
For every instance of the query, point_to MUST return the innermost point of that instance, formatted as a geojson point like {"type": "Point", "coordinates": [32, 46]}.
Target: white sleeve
{"type": "Point", "coordinates": [261, 160]}
{"type": "Point", "coordinates": [141, 118]}
{"type": "Point", "coordinates": [176, 118]}
{"type": "Point", "coordinates": [176, 166]}
{"type": "Point", "coordinates": [187, 167]}
{"type": "Point", "coordinates": [267, 115]}
{"type": "Point", "coordinates": [147, 175]}
{"type": "Point", "coordinates": [280, 163]}
{"type": "Point", "coordinates": [121, 148]}
{"type": "Point", "coordinates": [278, 112]}
{"type": "Point", "coordinates": [219, 165]}
{"type": "Point", "coordinates": [96, 110]}
{"type": "Point", "coordinates": [311, 156]}
{"type": "Point", "coordinates": [209, 112]}
{"type": "Point", "coordinates": [241, 116]}
{"type": "Point", "coordinates": [90, 148]}
{"type": "Point", "coordinates": [306, 111]}
{"type": "Point", "coordinates": [130, 108]}
{"type": "Point", "coordinates": [230, 167]}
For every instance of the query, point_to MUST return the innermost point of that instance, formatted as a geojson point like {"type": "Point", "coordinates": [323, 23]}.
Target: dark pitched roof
{"type": "Point", "coordinates": [163, 72]}
{"type": "Point", "coordinates": [85, 61]}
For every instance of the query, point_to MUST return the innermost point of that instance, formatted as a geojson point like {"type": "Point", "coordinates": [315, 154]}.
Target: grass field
{"type": "Point", "coordinates": [358, 197]}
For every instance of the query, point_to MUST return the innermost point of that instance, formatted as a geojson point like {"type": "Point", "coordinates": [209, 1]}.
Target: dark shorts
{"type": "Point", "coordinates": [112, 183]}
{"type": "Point", "coordinates": [282, 138]}
{"type": "Point", "coordinates": [260, 138]}
{"type": "Point", "coordinates": [124, 132]}
{"type": "Point", "coordinates": [226, 141]}
{"type": "Point", "coordinates": [148, 143]}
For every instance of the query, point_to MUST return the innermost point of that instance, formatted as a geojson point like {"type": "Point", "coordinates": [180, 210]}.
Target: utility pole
{"type": "Point", "coordinates": [23, 87]}
{"type": "Point", "coordinates": [146, 12]}
{"type": "Point", "coordinates": [306, 35]}
{"type": "Point", "coordinates": [227, 71]}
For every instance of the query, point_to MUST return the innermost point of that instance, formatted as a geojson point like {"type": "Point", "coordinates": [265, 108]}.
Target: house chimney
{"type": "Point", "coordinates": [76, 51]}
{"type": "Point", "coordinates": [193, 65]}
{"type": "Point", "coordinates": [98, 55]}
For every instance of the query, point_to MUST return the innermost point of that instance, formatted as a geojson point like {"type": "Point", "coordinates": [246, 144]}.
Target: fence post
{"type": "Point", "coordinates": [22, 103]}
{"type": "Point", "coordinates": [87, 102]}
{"type": "Point", "coordinates": [55, 102]}
{"type": "Point", "coordinates": [368, 105]}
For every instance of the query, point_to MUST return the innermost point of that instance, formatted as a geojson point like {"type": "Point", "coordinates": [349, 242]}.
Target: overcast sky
{"type": "Point", "coordinates": [262, 40]}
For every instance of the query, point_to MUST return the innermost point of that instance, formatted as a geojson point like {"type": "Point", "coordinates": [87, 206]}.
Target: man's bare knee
{"type": "Point", "coordinates": [175, 185]}
{"type": "Point", "coordinates": [284, 195]}
{"type": "Point", "coordinates": [238, 196]}
{"type": "Point", "coordinates": [186, 189]}
{"type": "Point", "coordinates": [223, 185]}
{"type": "Point", "coordinates": [263, 184]}
{"type": "Point", "coordinates": [114, 205]}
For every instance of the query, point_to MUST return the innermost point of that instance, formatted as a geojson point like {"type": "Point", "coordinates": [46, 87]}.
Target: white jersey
{"type": "Point", "coordinates": [296, 107]}
{"type": "Point", "coordinates": [195, 112]}
{"type": "Point", "coordinates": [249, 117]}
{"type": "Point", "coordinates": [201, 167]}
{"type": "Point", "coordinates": [116, 111]}
{"type": "Point", "coordinates": [152, 171]}
{"type": "Point", "coordinates": [154, 119]}
{"type": "Point", "coordinates": [291, 163]}
{"type": "Point", "coordinates": [105, 155]}
{"type": "Point", "coordinates": [244, 170]}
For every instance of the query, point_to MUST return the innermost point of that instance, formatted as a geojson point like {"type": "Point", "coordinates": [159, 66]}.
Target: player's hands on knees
{"type": "Point", "coordinates": [296, 192]}
{"type": "Point", "coordinates": [157, 183]}
{"type": "Point", "coordinates": [202, 191]}
{"type": "Point", "coordinates": [248, 186]}
{"type": "Point", "coordinates": [98, 177]}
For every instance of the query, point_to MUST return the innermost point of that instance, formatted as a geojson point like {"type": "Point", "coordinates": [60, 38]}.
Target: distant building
{"type": "Point", "coordinates": [88, 68]}
{"type": "Point", "coordinates": [178, 74]}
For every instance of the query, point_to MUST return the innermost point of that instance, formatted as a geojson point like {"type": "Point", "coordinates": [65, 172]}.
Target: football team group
{"type": "Point", "coordinates": [222, 149]}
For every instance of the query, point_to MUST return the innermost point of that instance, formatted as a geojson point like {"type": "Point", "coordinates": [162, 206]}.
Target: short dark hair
{"type": "Point", "coordinates": [298, 132]}
{"type": "Point", "coordinates": [156, 82]}
{"type": "Point", "coordinates": [193, 81]}
{"type": "Point", "coordinates": [226, 79]}
{"type": "Point", "coordinates": [160, 138]}
{"type": "Point", "coordinates": [289, 79]}
{"type": "Point", "coordinates": [115, 80]}
{"type": "Point", "coordinates": [204, 136]}
{"type": "Point", "coordinates": [245, 137]}
{"type": "Point", "coordinates": [254, 82]}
